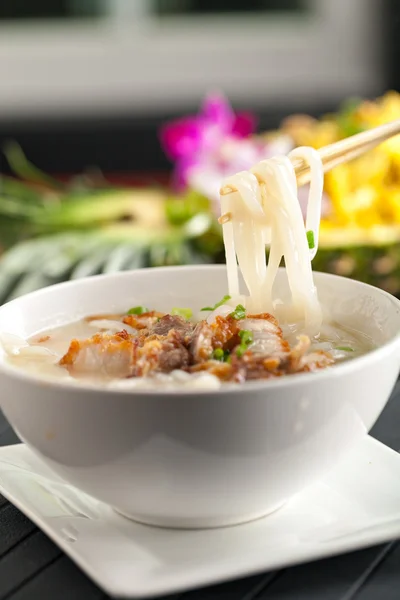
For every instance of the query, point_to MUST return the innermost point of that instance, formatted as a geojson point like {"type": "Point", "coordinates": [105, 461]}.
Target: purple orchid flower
{"type": "Point", "coordinates": [194, 141]}
{"type": "Point", "coordinates": [204, 132]}
{"type": "Point", "coordinates": [215, 144]}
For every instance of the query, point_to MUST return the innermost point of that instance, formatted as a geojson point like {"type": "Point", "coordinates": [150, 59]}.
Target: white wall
{"type": "Point", "coordinates": [135, 62]}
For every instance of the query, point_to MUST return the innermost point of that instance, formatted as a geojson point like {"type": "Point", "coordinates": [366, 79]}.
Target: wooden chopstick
{"type": "Point", "coordinates": [335, 154]}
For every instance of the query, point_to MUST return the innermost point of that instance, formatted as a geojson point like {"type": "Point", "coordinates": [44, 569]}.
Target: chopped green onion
{"type": "Point", "coordinates": [137, 310]}
{"type": "Point", "coordinates": [186, 313]}
{"type": "Point", "coordinates": [218, 354]}
{"type": "Point", "coordinates": [239, 312]}
{"type": "Point", "coordinates": [246, 338]}
{"type": "Point", "coordinates": [222, 355]}
{"type": "Point", "coordinates": [220, 303]}
{"type": "Point", "coordinates": [345, 348]}
{"type": "Point", "coordinates": [310, 239]}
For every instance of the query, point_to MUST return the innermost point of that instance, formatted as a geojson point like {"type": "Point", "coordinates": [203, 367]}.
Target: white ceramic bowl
{"type": "Point", "coordinates": [198, 458]}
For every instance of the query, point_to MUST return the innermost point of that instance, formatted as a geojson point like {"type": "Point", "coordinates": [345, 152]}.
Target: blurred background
{"type": "Point", "coordinates": [90, 81]}
{"type": "Point", "coordinates": [87, 87]}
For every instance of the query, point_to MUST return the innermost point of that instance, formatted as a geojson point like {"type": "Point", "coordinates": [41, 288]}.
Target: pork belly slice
{"type": "Point", "coordinates": [268, 338]}
{"type": "Point", "coordinates": [223, 333]}
{"type": "Point", "coordinates": [271, 356]}
{"type": "Point", "coordinates": [103, 354]}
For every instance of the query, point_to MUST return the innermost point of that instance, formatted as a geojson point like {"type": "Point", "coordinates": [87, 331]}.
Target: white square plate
{"type": "Point", "coordinates": [357, 505]}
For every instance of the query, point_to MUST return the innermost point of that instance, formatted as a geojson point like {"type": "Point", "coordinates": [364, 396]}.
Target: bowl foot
{"type": "Point", "coordinates": [197, 523]}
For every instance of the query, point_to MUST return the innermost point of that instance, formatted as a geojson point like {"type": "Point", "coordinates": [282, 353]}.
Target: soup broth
{"type": "Point", "coordinates": [154, 349]}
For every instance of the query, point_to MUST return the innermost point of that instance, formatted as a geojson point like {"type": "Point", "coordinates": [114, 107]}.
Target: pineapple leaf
{"type": "Point", "coordinates": [181, 209]}
{"type": "Point", "coordinates": [18, 190]}
{"type": "Point", "coordinates": [124, 256]}
{"type": "Point", "coordinates": [25, 169]}
{"type": "Point", "coordinates": [37, 263]}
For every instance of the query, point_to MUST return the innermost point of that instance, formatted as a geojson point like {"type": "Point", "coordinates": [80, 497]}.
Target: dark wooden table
{"type": "Point", "coordinates": [33, 568]}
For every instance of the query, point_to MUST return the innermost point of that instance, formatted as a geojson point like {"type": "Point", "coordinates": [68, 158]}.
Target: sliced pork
{"type": "Point", "coordinates": [162, 354]}
{"type": "Point", "coordinates": [232, 347]}
{"type": "Point", "coordinates": [173, 322]}
{"type": "Point", "coordinates": [110, 355]}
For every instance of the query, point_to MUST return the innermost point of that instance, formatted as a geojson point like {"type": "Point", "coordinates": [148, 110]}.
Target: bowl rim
{"type": "Point", "coordinates": [287, 381]}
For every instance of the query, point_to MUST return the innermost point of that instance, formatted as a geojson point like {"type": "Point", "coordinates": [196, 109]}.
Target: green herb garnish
{"type": "Point", "coordinates": [218, 354]}
{"type": "Point", "coordinates": [310, 239]}
{"type": "Point", "coordinates": [238, 313]}
{"type": "Point", "coordinates": [220, 303]}
{"type": "Point", "coordinates": [345, 348]}
{"type": "Point", "coordinates": [246, 338]}
{"type": "Point", "coordinates": [221, 355]}
{"type": "Point", "coordinates": [138, 310]}
{"type": "Point", "coordinates": [186, 313]}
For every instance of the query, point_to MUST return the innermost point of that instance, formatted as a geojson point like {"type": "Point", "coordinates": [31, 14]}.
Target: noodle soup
{"type": "Point", "coordinates": [147, 348]}
{"type": "Point", "coordinates": [243, 337]}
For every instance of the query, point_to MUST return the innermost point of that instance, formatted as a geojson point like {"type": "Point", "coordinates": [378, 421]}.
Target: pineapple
{"type": "Point", "coordinates": [360, 237]}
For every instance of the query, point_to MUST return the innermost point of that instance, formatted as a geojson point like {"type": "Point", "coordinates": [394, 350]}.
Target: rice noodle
{"type": "Point", "coordinates": [14, 345]}
{"type": "Point", "coordinates": [110, 325]}
{"type": "Point", "coordinates": [11, 343]}
{"type": "Point", "coordinates": [314, 202]}
{"type": "Point", "coordinates": [38, 353]}
{"type": "Point", "coordinates": [271, 213]}
{"type": "Point", "coordinates": [229, 243]}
